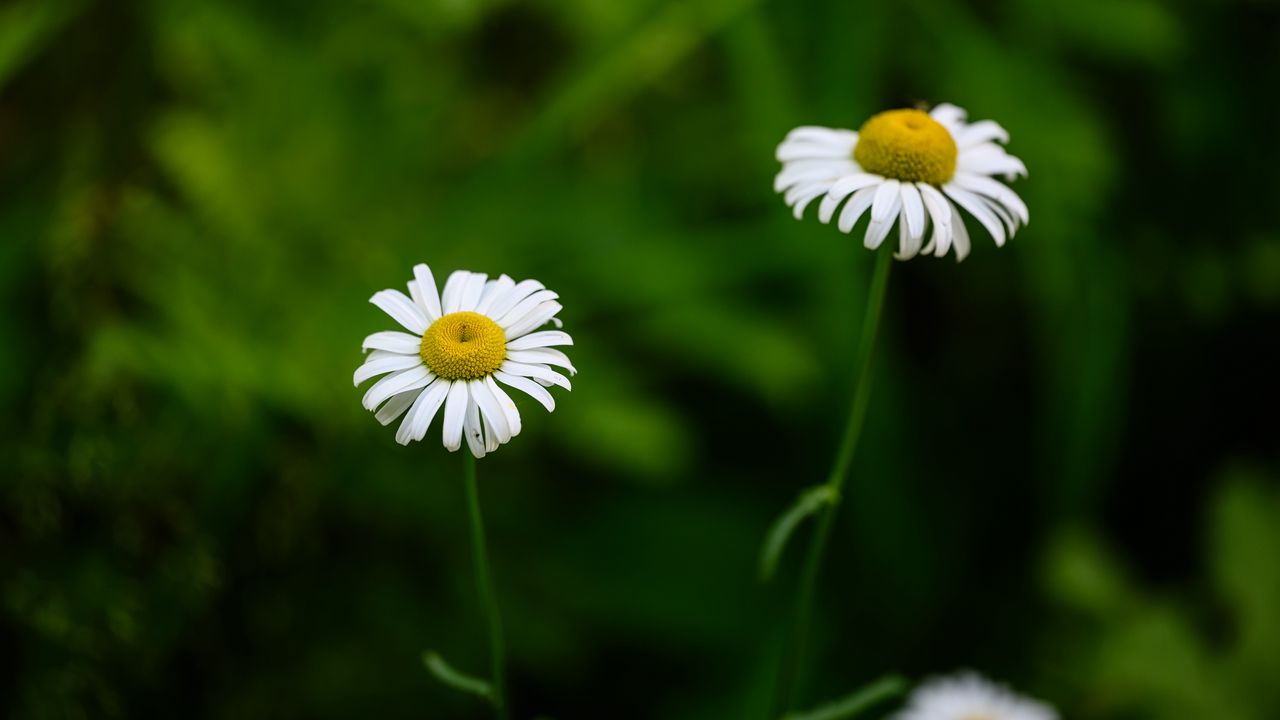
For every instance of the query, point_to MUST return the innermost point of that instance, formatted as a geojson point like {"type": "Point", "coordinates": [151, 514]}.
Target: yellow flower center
{"type": "Point", "coordinates": [906, 145]}
{"type": "Point", "coordinates": [463, 346]}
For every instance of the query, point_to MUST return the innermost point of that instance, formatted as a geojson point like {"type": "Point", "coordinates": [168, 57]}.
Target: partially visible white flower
{"type": "Point", "coordinates": [968, 696]}
{"type": "Point", "coordinates": [460, 344]}
{"type": "Point", "coordinates": [916, 168]}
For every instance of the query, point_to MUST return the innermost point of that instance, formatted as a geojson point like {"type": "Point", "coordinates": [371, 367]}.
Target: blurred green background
{"type": "Point", "coordinates": [1068, 478]}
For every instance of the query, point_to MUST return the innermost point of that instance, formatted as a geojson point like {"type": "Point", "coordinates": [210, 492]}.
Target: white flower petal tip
{"type": "Point", "coordinates": [968, 695]}
{"type": "Point", "coordinates": [911, 169]}
{"type": "Point", "coordinates": [456, 349]}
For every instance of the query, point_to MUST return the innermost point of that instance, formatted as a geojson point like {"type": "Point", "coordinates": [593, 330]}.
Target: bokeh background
{"type": "Point", "coordinates": [1068, 478]}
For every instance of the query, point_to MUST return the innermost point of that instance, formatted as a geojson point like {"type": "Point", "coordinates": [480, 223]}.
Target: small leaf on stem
{"type": "Point", "coordinates": [809, 502]}
{"type": "Point", "coordinates": [855, 702]}
{"type": "Point", "coordinates": [446, 674]}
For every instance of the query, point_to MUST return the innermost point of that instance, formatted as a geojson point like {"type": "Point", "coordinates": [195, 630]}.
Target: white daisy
{"type": "Point", "coordinates": [907, 165]}
{"type": "Point", "coordinates": [460, 344]}
{"type": "Point", "coordinates": [968, 696]}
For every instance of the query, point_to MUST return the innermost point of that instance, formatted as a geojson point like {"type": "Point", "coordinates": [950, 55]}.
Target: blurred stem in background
{"type": "Point", "coordinates": [484, 585]}
{"type": "Point", "coordinates": [793, 653]}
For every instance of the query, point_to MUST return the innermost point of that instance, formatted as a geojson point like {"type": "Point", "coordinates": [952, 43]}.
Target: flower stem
{"type": "Point", "coordinates": [484, 585]}
{"type": "Point", "coordinates": [793, 659]}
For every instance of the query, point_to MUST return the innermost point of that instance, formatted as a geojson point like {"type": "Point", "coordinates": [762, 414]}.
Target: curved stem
{"type": "Point", "coordinates": [484, 585]}
{"type": "Point", "coordinates": [793, 659]}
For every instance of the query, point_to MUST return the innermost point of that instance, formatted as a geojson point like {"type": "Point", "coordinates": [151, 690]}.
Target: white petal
{"type": "Point", "coordinates": [533, 320]}
{"type": "Point", "coordinates": [424, 292]}
{"type": "Point", "coordinates": [789, 152]}
{"type": "Point", "coordinates": [382, 355]}
{"type": "Point", "coordinates": [402, 381]}
{"type": "Point", "coordinates": [913, 210]}
{"type": "Point", "coordinates": [816, 145]}
{"type": "Point", "coordinates": [948, 115]}
{"type": "Point", "coordinates": [492, 290]}
{"type": "Point", "coordinates": [452, 294]}
{"type": "Point", "coordinates": [887, 202]}
{"type": "Point", "coordinates": [490, 437]}
{"type": "Point", "coordinates": [800, 166]}
{"type": "Point", "coordinates": [533, 389]}
{"type": "Point", "coordinates": [544, 356]}
{"type": "Point", "coordinates": [989, 159]}
{"type": "Point", "coordinates": [857, 205]}
{"type": "Point", "coordinates": [488, 404]}
{"type": "Point", "coordinates": [538, 372]}
{"type": "Point", "coordinates": [940, 211]}
{"type": "Point", "coordinates": [995, 190]}
{"type": "Point", "coordinates": [980, 132]}
{"type": "Point", "coordinates": [401, 309]}
{"type": "Point", "coordinates": [507, 406]}
{"type": "Point", "coordinates": [381, 365]}
{"type": "Point", "coordinates": [1010, 224]}
{"type": "Point", "coordinates": [524, 307]}
{"type": "Point", "coordinates": [405, 432]}
{"type": "Point", "coordinates": [401, 343]}
{"type": "Point", "coordinates": [394, 407]}
{"type": "Point", "coordinates": [908, 243]}
{"type": "Point", "coordinates": [472, 289]}
{"type": "Point", "coordinates": [884, 211]}
{"type": "Point", "coordinates": [800, 200]}
{"type": "Point", "coordinates": [795, 171]}
{"type": "Point", "coordinates": [903, 241]}
{"type": "Point", "coordinates": [841, 189]}
{"type": "Point", "coordinates": [806, 172]}
{"type": "Point", "coordinates": [434, 398]}
{"type": "Point", "coordinates": [798, 192]}
{"type": "Point", "coordinates": [455, 409]}
{"type": "Point", "coordinates": [820, 134]}
{"type": "Point", "coordinates": [801, 173]}
{"type": "Point", "coordinates": [960, 233]}
{"type": "Point", "coordinates": [505, 301]}
{"type": "Point", "coordinates": [546, 338]}
{"type": "Point", "coordinates": [473, 430]}
{"type": "Point", "coordinates": [978, 209]}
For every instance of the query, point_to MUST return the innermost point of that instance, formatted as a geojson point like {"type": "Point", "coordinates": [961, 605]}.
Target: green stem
{"type": "Point", "coordinates": [484, 584]}
{"type": "Point", "coordinates": [793, 660]}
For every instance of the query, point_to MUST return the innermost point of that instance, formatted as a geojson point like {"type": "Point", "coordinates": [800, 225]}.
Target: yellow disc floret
{"type": "Point", "coordinates": [906, 145]}
{"type": "Point", "coordinates": [463, 346]}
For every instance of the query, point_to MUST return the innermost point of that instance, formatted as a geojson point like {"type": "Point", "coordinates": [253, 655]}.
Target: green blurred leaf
{"type": "Point", "coordinates": [1081, 572]}
{"type": "Point", "coordinates": [631, 62]}
{"type": "Point", "coordinates": [810, 502]}
{"type": "Point", "coordinates": [857, 702]}
{"type": "Point", "coordinates": [1245, 552]}
{"type": "Point", "coordinates": [1148, 652]}
{"type": "Point", "coordinates": [25, 27]}
{"type": "Point", "coordinates": [456, 679]}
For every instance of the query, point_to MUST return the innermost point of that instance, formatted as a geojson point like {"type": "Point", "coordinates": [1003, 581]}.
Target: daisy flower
{"type": "Point", "coordinates": [917, 168]}
{"type": "Point", "coordinates": [968, 696]}
{"type": "Point", "coordinates": [460, 345]}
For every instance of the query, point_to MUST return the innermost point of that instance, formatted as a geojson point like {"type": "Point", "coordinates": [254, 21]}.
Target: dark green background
{"type": "Point", "coordinates": [1068, 478]}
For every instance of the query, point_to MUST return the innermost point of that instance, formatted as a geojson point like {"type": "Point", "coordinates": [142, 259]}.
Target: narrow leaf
{"type": "Point", "coordinates": [26, 27]}
{"type": "Point", "coordinates": [809, 502]}
{"type": "Point", "coordinates": [856, 702]}
{"type": "Point", "coordinates": [446, 674]}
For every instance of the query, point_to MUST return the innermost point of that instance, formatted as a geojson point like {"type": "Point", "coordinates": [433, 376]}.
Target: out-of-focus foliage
{"type": "Point", "coordinates": [1161, 656]}
{"type": "Point", "coordinates": [197, 198]}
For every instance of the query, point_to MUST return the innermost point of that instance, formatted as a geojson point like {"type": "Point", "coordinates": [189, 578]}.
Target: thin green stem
{"type": "Point", "coordinates": [793, 659]}
{"type": "Point", "coordinates": [484, 585]}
